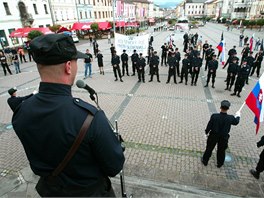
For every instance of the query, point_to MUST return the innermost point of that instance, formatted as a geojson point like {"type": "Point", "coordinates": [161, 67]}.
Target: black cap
{"type": "Point", "coordinates": [225, 104]}
{"type": "Point", "coordinates": [135, 50]}
{"type": "Point", "coordinates": [124, 50]}
{"type": "Point", "coordinates": [140, 54]}
{"type": "Point", "coordinates": [12, 90]}
{"type": "Point", "coordinates": [53, 49]}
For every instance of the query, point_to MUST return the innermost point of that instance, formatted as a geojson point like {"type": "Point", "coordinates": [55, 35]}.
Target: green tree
{"type": "Point", "coordinates": [260, 23]}
{"type": "Point", "coordinates": [33, 34]}
{"type": "Point", "coordinates": [95, 28]}
{"type": "Point", "coordinates": [54, 28]}
{"type": "Point", "coordinates": [245, 22]}
{"type": "Point", "coordinates": [251, 23]}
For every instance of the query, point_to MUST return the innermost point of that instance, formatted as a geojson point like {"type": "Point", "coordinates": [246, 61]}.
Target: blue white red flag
{"type": "Point", "coordinates": [254, 102]}
{"type": "Point", "coordinates": [222, 57]}
{"type": "Point", "coordinates": [221, 45]}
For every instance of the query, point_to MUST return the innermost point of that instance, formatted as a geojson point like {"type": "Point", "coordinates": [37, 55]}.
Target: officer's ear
{"type": "Point", "coordinates": [68, 67]}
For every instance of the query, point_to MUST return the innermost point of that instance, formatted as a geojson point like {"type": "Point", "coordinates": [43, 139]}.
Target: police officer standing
{"type": "Point", "coordinates": [231, 53]}
{"type": "Point", "coordinates": [115, 63]}
{"type": "Point", "coordinates": [134, 59]}
{"type": "Point", "coordinates": [257, 63]}
{"type": "Point", "coordinates": [205, 48]}
{"type": "Point", "coordinates": [141, 63]}
{"type": "Point", "coordinates": [231, 74]}
{"type": "Point", "coordinates": [178, 59]}
{"type": "Point", "coordinates": [245, 52]}
{"type": "Point", "coordinates": [250, 61]}
{"type": "Point", "coordinates": [124, 59]}
{"type": "Point", "coordinates": [172, 68]}
{"type": "Point", "coordinates": [197, 64]}
{"type": "Point", "coordinates": [209, 56]}
{"type": "Point", "coordinates": [218, 129]}
{"type": "Point", "coordinates": [242, 75]}
{"type": "Point", "coordinates": [54, 112]}
{"type": "Point", "coordinates": [164, 54]}
{"type": "Point", "coordinates": [186, 64]}
{"type": "Point", "coordinates": [212, 67]}
{"type": "Point", "coordinates": [154, 69]}
{"type": "Point", "coordinates": [260, 165]}
{"type": "Point", "coordinates": [112, 49]}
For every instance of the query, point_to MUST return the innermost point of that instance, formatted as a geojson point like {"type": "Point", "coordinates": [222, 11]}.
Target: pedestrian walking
{"type": "Point", "coordinates": [61, 122]}
{"type": "Point", "coordinates": [242, 75]}
{"type": "Point", "coordinates": [141, 63]}
{"type": "Point", "coordinates": [197, 64]}
{"type": "Point", "coordinates": [246, 40]}
{"type": "Point", "coordinates": [16, 63]}
{"type": "Point", "coordinates": [109, 38]}
{"type": "Point", "coordinates": [115, 61]}
{"type": "Point", "coordinates": [134, 60]}
{"type": "Point", "coordinates": [91, 40]}
{"type": "Point", "coordinates": [88, 64]}
{"type": "Point", "coordinates": [217, 130]}
{"type": "Point", "coordinates": [186, 64]}
{"type": "Point", "coordinates": [212, 67]}
{"type": "Point", "coordinates": [124, 59]}
{"type": "Point", "coordinates": [100, 62]}
{"type": "Point", "coordinates": [154, 62]}
{"type": "Point", "coordinates": [4, 64]}
{"type": "Point", "coordinates": [260, 166]}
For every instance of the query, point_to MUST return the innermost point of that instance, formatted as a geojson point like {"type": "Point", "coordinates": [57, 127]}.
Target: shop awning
{"type": "Point", "coordinates": [131, 24]}
{"type": "Point", "coordinates": [81, 26]}
{"type": "Point", "coordinates": [104, 25]}
{"type": "Point", "coordinates": [23, 32]}
{"type": "Point", "coordinates": [120, 23]}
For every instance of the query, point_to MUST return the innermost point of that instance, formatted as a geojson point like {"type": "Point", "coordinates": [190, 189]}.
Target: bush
{"type": "Point", "coordinates": [54, 28]}
{"type": "Point", "coordinates": [33, 34]}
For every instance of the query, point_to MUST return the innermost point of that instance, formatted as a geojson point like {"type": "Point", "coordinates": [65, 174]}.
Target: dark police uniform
{"type": "Point", "coordinates": [100, 60]}
{"type": "Point", "coordinates": [186, 64]}
{"type": "Point", "coordinates": [164, 54]}
{"type": "Point", "coordinates": [218, 129]}
{"type": "Point", "coordinates": [212, 67]}
{"type": "Point", "coordinates": [141, 63]}
{"type": "Point", "coordinates": [115, 61]}
{"type": "Point", "coordinates": [172, 68]}
{"type": "Point", "coordinates": [208, 56]}
{"type": "Point", "coordinates": [178, 59]}
{"type": "Point", "coordinates": [244, 53]}
{"type": "Point", "coordinates": [242, 74]}
{"type": "Point", "coordinates": [250, 61]}
{"type": "Point", "coordinates": [197, 64]}
{"type": "Point", "coordinates": [112, 50]}
{"type": "Point", "coordinates": [134, 59]}
{"type": "Point", "coordinates": [231, 75]}
{"type": "Point", "coordinates": [257, 64]}
{"type": "Point", "coordinates": [260, 165]}
{"type": "Point", "coordinates": [231, 53]}
{"type": "Point", "coordinates": [124, 59]}
{"type": "Point", "coordinates": [205, 48]}
{"type": "Point", "coordinates": [15, 101]}
{"type": "Point", "coordinates": [154, 69]}
{"type": "Point", "coordinates": [48, 123]}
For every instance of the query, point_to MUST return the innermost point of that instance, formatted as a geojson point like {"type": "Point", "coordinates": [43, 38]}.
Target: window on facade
{"type": "Point", "coordinates": [192, 6]}
{"type": "Point", "coordinates": [199, 12]}
{"type": "Point", "coordinates": [90, 14]}
{"type": "Point", "coordinates": [79, 1]}
{"type": "Point", "coordinates": [106, 15]}
{"type": "Point", "coordinates": [95, 15]}
{"type": "Point", "coordinates": [202, 12]}
{"type": "Point", "coordinates": [196, 7]}
{"type": "Point", "coordinates": [99, 15]}
{"type": "Point", "coordinates": [45, 8]}
{"type": "Point", "coordinates": [41, 26]}
{"type": "Point", "coordinates": [35, 8]}
{"type": "Point", "coordinates": [103, 15]}
{"type": "Point", "coordinates": [7, 8]}
{"type": "Point", "coordinates": [192, 12]}
{"type": "Point", "coordinates": [93, 2]}
{"type": "Point", "coordinates": [81, 15]}
{"type": "Point", "coordinates": [47, 25]}
{"type": "Point", "coordinates": [86, 14]}
{"type": "Point", "coordinates": [188, 12]}
{"type": "Point", "coordinates": [195, 12]}
{"type": "Point", "coordinates": [189, 6]}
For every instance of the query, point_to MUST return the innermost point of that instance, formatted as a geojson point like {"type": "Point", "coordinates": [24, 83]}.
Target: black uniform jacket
{"type": "Point", "coordinates": [47, 124]}
{"type": "Point", "coordinates": [115, 60]}
{"type": "Point", "coordinates": [220, 124]}
{"type": "Point", "coordinates": [213, 65]}
{"type": "Point", "coordinates": [124, 57]}
{"type": "Point", "coordinates": [14, 101]}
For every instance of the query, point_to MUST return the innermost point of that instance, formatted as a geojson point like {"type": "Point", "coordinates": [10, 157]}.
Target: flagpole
{"type": "Point", "coordinates": [242, 106]}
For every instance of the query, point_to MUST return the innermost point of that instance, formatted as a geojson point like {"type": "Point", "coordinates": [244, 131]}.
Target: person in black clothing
{"type": "Point", "coordinates": [100, 62]}
{"type": "Point", "coordinates": [150, 53]}
{"type": "Point", "coordinates": [197, 64]}
{"type": "Point", "coordinates": [141, 63]}
{"type": "Point", "coordinates": [154, 69]}
{"type": "Point", "coordinates": [218, 129]}
{"type": "Point", "coordinates": [209, 56]}
{"type": "Point", "coordinates": [250, 61]}
{"type": "Point", "coordinates": [205, 48]}
{"type": "Point", "coordinates": [241, 36]}
{"type": "Point", "coordinates": [55, 117]}
{"type": "Point", "coordinates": [4, 64]}
{"type": "Point", "coordinates": [260, 165]}
{"type": "Point", "coordinates": [164, 54]}
{"type": "Point", "coordinates": [112, 49]}
{"type": "Point", "coordinates": [245, 53]}
{"type": "Point", "coordinates": [95, 47]}
{"type": "Point", "coordinates": [212, 67]}
{"type": "Point", "coordinates": [178, 59]}
{"type": "Point", "coordinates": [242, 74]}
{"type": "Point", "coordinates": [231, 53]}
{"type": "Point", "coordinates": [124, 59]}
{"type": "Point", "coordinates": [185, 42]}
{"type": "Point", "coordinates": [231, 74]}
{"type": "Point", "coordinates": [246, 40]}
{"type": "Point", "coordinates": [134, 59]}
{"type": "Point", "coordinates": [257, 63]}
{"type": "Point", "coordinates": [172, 61]}
{"type": "Point", "coordinates": [115, 61]}
{"type": "Point", "coordinates": [14, 101]}
{"type": "Point", "coordinates": [185, 67]}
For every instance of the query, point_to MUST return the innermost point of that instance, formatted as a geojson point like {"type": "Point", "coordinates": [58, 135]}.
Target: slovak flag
{"type": "Point", "coordinates": [254, 101]}
{"type": "Point", "coordinates": [222, 56]}
{"type": "Point", "coordinates": [221, 45]}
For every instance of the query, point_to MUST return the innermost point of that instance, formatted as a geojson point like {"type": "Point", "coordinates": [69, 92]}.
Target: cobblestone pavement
{"type": "Point", "coordinates": [162, 124]}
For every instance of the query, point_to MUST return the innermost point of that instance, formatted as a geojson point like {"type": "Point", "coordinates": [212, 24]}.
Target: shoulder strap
{"type": "Point", "coordinates": [75, 145]}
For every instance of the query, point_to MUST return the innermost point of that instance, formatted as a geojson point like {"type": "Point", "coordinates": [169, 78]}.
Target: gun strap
{"type": "Point", "coordinates": [75, 145]}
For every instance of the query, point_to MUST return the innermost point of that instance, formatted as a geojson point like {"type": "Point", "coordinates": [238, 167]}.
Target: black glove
{"type": "Point", "coordinates": [259, 144]}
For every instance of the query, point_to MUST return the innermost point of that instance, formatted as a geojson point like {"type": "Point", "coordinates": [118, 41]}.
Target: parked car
{"type": "Point", "coordinates": [75, 38]}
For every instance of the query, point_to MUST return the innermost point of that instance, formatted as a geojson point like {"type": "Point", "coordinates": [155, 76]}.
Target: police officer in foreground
{"type": "Point", "coordinates": [14, 101]}
{"type": "Point", "coordinates": [260, 165]}
{"type": "Point", "coordinates": [154, 69]}
{"type": "Point", "coordinates": [141, 63]}
{"type": "Point", "coordinates": [134, 59]}
{"type": "Point", "coordinates": [218, 129]}
{"type": "Point", "coordinates": [231, 74]}
{"type": "Point", "coordinates": [197, 64]}
{"type": "Point", "coordinates": [172, 61]}
{"type": "Point", "coordinates": [52, 119]}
